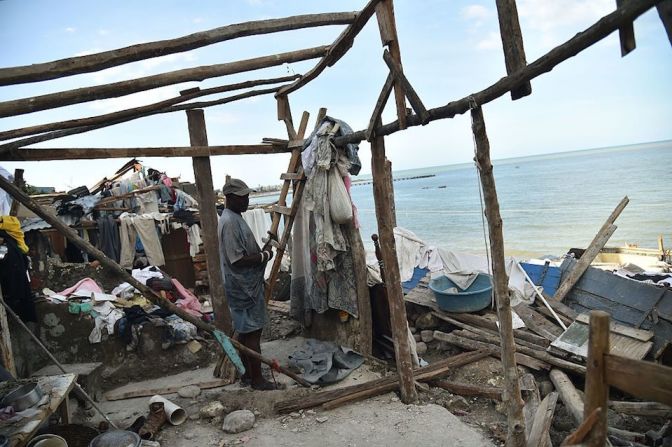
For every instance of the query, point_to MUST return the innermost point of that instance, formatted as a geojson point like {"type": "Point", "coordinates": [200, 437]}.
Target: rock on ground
{"type": "Point", "coordinates": [189, 391]}
{"type": "Point", "coordinates": [211, 410]}
{"type": "Point", "coordinates": [238, 421]}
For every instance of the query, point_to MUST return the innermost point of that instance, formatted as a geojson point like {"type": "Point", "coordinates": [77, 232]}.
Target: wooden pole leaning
{"type": "Point", "coordinates": [512, 396]}
{"type": "Point", "coordinates": [402, 349]}
{"type": "Point", "coordinates": [512, 41]}
{"type": "Point", "coordinates": [207, 209]}
{"type": "Point", "coordinates": [73, 237]}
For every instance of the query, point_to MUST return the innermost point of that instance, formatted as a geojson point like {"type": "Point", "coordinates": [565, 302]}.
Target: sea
{"type": "Point", "coordinates": [548, 203]}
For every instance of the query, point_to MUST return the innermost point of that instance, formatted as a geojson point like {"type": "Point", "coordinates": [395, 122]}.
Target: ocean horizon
{"type": "Point", "coordinates": [549, 203]}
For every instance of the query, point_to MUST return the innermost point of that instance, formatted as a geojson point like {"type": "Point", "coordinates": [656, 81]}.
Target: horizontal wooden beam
{"type": "Point", "coordinates": [92, 153]}
{"type": "Point", "coordinates": [122, 88]}
{"type": "Point", "coordinates": [644, 380]}
{"type": "Point", "coordinates": [135, 111]}
{"type": "Point", "coordinates": [120, 56]}
{"type": "Point", "coordinates": [193, 105]}
{"type": "Point", "coordinates": [340, 46]}
{"type": "Point", "coordinates": [596, 32]}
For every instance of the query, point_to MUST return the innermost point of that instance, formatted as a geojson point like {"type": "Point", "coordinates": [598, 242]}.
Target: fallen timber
{"type": "Point", "coordinates": [378, 386]}
{"type": "Point", "coordinates": [155, 298]}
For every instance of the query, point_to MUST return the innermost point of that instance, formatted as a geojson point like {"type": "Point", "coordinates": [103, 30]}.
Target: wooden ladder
{"type": "Point", "coordinates": [295, 176]}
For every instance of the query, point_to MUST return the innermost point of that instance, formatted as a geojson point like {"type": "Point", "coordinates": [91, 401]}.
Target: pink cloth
{"type": "Point", "coordinates": [86, 284]}
{"type": "Point", "coordinates": [189, 302]}
{"type": "Point", "coordinates": [348, 183]}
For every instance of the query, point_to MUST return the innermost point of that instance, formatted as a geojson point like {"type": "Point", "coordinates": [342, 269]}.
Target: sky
{"type": "Point", "coordinates": [449, 50]}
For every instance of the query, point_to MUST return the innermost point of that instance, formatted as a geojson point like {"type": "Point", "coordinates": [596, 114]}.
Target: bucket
{"type": "Point", "coordinates": [47, 441]}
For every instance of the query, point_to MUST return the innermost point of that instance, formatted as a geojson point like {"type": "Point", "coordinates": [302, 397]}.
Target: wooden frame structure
{"type": "Point", "coordinates": [517, 82]}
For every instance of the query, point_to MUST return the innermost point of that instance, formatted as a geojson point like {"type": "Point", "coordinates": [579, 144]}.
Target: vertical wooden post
{"type": "Point", "coordinates": [5, 339]}
{"type": "Point", "coordinates": [597, 389]}
{"type": "Point", "coordinates": [511, 395]}
{"type": "Point", "coordinates": [626, 35]}
{"type": "Point", "coordinates": [512, 41]}
{"type": "Point", "coordinates": [393, 208]}
{"type": "Point", "coordinates": [388, 35]}
{"type": "Point", "coordinates": [19, 182]}
{"type": "Point", "coordinates": [208, 213]}
{"type": "Point", "coordinates": [381, 194]}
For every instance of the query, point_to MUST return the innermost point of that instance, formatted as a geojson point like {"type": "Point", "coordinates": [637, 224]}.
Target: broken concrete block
{"type": "Point", "coordinates": [238, 421]}
{"type": "Point", "coordinates": [427, 336]}
{"type": "Point", "coordinates": [211, 410]}
{"type": "Point", "coordinates": [189, 391]}
{"type": "Point", "coordinates": [420, 348]}
{"type": "Point", "coordinates": [426, 321]}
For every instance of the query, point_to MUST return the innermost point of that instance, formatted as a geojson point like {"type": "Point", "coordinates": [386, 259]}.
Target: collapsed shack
{"type": "Point", "coordinates": [528, 420]}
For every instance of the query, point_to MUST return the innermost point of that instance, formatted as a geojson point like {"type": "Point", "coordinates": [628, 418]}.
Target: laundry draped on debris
{"type": "Point", "coordinates": [322, 362]}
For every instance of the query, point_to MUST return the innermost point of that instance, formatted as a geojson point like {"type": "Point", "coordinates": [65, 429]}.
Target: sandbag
{"type": "Point", "coordinates": [340, 206]}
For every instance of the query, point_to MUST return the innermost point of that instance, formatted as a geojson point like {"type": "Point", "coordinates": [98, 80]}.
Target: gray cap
{"type": "Point", "coordinates": [237, 187]}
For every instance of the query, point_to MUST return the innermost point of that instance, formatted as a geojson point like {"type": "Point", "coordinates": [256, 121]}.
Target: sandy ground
{"type": "Point", "coordinates": [379, 421]}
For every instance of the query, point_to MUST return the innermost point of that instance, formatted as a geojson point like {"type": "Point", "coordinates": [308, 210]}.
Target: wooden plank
{"type": "Point", "coordinates": [388, 34]}
{"type": "Point", "coordinates": [364, 315]}
{"type": "Point", "coordinates": [92, 153]}
{"type": "Point", "coordinates": [120, 56]}
{"type": "Point", "coordinates": [6, 341]}
{"type": "Point", "coordinates": [286, 210]}
{"type": "Point", "coordinates": [303, 125]}
{"type": "Point", "coordinates": [340, 46]}
{"type": "Point", "coordinates": [626, 34]}
{"type": "Point", "coordinates": [493, 349]}
{"type": "Point", "coordinates": [516, 423]}
{"type": "Point", "coordinates": [153, 297]}
{"type": "Point", "coordinates": [665, 13]}
{"type": "Point", "coordinates": [597, 390]}
{"type": "Point", "coordinates": [208, 216]}
{"type": "Point", "coordinates": [410, 92]}
{"type": "Point", "coordinates": [380, 105]}
{"type": "Point", "coordinates": [648, 409]}
{"type": "Point", "coordinates": [138, 111]}
{"type": "Point", "coordinates": [468, 389]}
{"type": "Point", "coordinates": [639, 334]}
{"type": "Point", "coordinates": [542, 421]}
{"type": "Point", "coordinates": [191, 105]}
{"type": "Point", "coordinates": [594, 248]}
{"type": "Point", "coordinates": [121, 394]}
{"type": "Point", "coordinates": [117, 89]}
{"type": "Point", "coordinates": [581, 41]}
{"type": "Point", "coordinates": [398, 321]}
{"type": "Point", "coordinates": [578, 435]}
{"type": "Point", "coordinates": [537, 323]}
{"type": "Point", "coordinates": [575, 340]}
{"type": "Point", "coordinates": [285, 115]}
{"type": "Point", "coordinates": [568, 394]}
{"type": "Point", "coordinates": [292, 176]}
{"type": "Point", "coordinates": [645, 380]}
{"type": "Point", "coordinates": [512, 42]}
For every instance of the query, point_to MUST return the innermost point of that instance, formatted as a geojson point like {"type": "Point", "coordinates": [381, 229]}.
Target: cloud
{"type": "Point", "coordinates": [103, 32]}
{"type": "Point", "coordinates": [135, 100]}
{"type": "Point", "coordinates": [198, 20]}
{"type": "Point", "coordinates": [87, 52]}
{"type": "Point", "coordinates": [475, 12]}
{"type": "Point", "coordinates": [491, 42]}
{"type": "Point", "coordinates": [70, 29]}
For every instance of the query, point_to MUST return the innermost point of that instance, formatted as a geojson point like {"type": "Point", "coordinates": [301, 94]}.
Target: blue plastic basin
{"type": "Point", "coordinates": [476, 297]}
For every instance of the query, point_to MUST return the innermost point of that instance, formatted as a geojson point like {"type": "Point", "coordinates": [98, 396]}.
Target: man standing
{"type": "Point", "coordinates": [243, 264]}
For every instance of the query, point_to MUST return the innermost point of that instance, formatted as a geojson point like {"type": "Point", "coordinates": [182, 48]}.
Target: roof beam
{"type": "Point", "coordinates": [99, 61]}
{"type": "Point", "coordinates": [116, 89]}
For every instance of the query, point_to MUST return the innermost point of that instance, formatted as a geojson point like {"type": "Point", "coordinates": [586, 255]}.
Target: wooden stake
{"type": "Point", "coordinates": [395, 296]}
{"type": "Point", "coordinates": [597, 390]}
{"type": "Point", "coordinates": [94, 153]}
{"type": "Point", "coordinates": [192, 105]}
{"type": "Point", "coordinates": [73, 237]}
{"type": "Point", "coordinates": [591, 252]}
{"type": "Point", "coordinates": [512, 41]}
{"type": "Point", "coordinates": [665, 13]}
{"type": "Point", "coordinates": [138, 112]}
{"type": "Point", "coordinates": [626, 35]}
{"type": "Point", "coordinates": [6, 341]}
{"type": "Point", "coordinates": [19, 182]}
{"type": "Point", "coordinates": [198, 136]}
{"type": "Point", "coordinates": [120, 56]}
{"type": "Point", "coordinates": [117, 89]}
{"type": "Point", "coordinates": [388, 36]}
{"type": "Point", "coordinates": [516, 423]}
{"type": "Point", "coordinates": [596, 32]}
{"type": "Point", "coordinates": [380, 105]}
{"type": "Point", "coordinates": [413, 98]}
